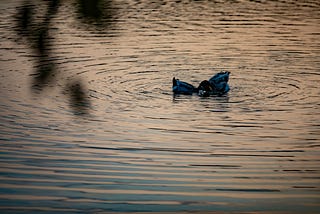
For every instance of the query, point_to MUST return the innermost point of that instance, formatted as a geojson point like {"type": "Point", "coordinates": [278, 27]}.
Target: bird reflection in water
{"type": "Point", "coordinates": [35, 30]}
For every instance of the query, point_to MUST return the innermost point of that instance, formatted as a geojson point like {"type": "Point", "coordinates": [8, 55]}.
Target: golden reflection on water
{"type": "Point", "coordinates": [89, 122]}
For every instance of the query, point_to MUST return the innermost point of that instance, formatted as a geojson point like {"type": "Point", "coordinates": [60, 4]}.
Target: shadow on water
{"type": "Point", "coordinates": [36, 33]}
{"type": "Point", "coordinates": [97, 13]}
{"type": "Point", "coordinates": [35, 30]}
{"type": "Point", "coordinates": [79, 100]}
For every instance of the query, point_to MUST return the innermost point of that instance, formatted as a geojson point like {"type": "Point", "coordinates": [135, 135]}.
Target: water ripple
{"type": "Point", "coordinates": [87, 109]}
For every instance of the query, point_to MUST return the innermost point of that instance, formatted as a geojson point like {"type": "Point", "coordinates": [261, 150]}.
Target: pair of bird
{"type": "Point", "coordinates": [216, 85]}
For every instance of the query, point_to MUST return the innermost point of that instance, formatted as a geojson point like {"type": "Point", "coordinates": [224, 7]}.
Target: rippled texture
{"type": "Point", "coordinates": [89, 122]}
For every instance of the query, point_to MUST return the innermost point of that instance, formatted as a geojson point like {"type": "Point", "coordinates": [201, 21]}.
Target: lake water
{"type": "Point", "coordinates": [89, 122]}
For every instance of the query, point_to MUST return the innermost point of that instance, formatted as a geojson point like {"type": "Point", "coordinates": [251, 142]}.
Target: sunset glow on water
{"type": "Point", "coordinates": [89, 123]}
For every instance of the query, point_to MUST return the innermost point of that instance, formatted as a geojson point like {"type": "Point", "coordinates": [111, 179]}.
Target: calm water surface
{"type": "Point", "coordinates": [89, 123]}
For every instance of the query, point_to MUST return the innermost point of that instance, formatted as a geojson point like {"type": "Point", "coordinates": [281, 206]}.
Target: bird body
{"type": "Point", "coordinates": [216, 85]}
{"type": "Point", "coordinates": [180, 87]}
{"type": "Point", "coordinates": [219, 83]}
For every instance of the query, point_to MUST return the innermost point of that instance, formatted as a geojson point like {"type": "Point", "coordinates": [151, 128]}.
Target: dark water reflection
{"type": "Point", "coordinates": [89, 123]}
{"type": "Point", "coordinates": [36, 32]}
{"type": "Point", "coordinates": [99, 13]}
{"type": "Point", "coordinates": [36, 35]}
